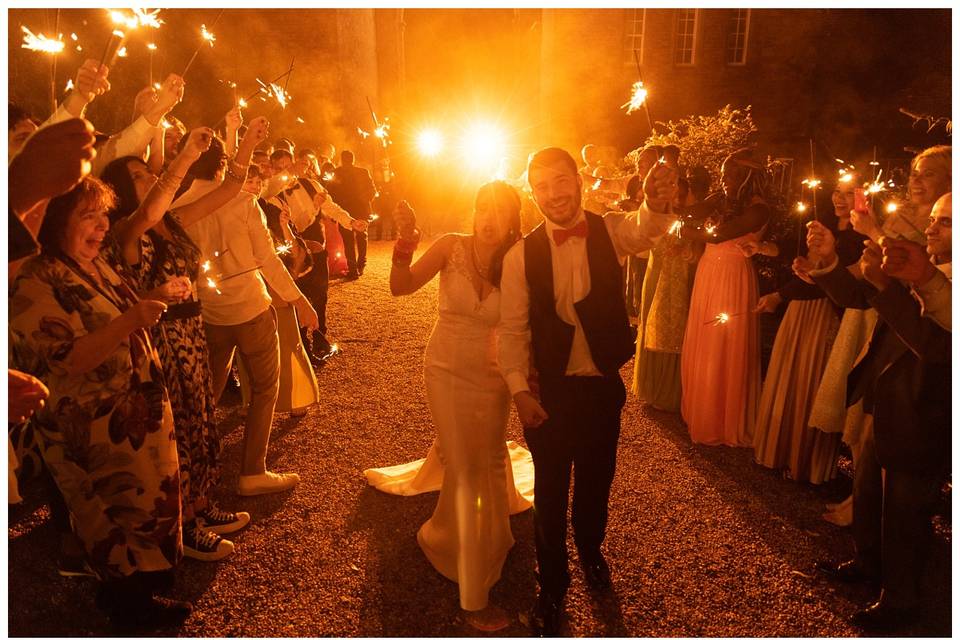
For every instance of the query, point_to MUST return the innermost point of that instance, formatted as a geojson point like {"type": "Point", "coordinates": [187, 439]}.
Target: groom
{"type": "Point", "coordinates": [563, 312]}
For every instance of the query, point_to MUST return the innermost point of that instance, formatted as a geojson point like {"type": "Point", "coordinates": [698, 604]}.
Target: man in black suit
{"type": "Point", "coordinates": [562, 309]}
{"type": "Point", "coordinates": [904, 382]}
{"type": "Point", "coordinates": [352, 188]}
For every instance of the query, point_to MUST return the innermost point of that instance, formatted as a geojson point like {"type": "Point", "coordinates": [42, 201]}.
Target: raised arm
{"type": "Point", "coordinates": [404, 277]}
{"type": "Point", "coordinates": [233, 182]}
{"type": "Point", "coordinates": [157, 201]}
{"type": "Point", "coordinates": [90, 82]}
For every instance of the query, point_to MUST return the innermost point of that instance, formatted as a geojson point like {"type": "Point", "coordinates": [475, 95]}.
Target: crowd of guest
{"type": "Point", "coordinates": [861, 354]}
{"type": "Point", "coordinates": [143, 265]}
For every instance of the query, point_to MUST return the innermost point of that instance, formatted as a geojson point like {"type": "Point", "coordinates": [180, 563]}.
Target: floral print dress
{"type": "Point", "coordinates": [182, 345]}
{"type": "Point", "coordinates": [106, 435]}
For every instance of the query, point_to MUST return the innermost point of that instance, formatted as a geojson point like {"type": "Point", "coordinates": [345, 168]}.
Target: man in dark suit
{"type": "Point", "coordinates": [353, 189]}
{"type": "Point", "coordinates": [904, 383]}
{"type": "Point", "coordinates": [562, 309]}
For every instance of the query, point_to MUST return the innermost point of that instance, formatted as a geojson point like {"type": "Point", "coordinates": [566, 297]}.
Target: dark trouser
{"type": "Point", "coordinates": [891, 524]}
{"type": "Point", "coordinates": [581, 432]}
{"type": "Point", "coordinates": [314, 286]}
{"type": "Point", "coordinates": [354, 248]}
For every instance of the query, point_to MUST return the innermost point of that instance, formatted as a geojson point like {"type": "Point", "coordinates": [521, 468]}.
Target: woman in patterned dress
{"type": "Point", "coordinates": [157, 250]}
{"type": "Point", "coordinates": [106, 432]}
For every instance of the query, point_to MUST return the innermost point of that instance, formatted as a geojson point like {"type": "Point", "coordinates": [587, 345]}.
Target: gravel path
{"type": "Point", "coordinates": [701, 541]}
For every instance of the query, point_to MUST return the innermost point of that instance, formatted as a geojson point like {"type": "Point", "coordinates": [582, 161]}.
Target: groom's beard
{"type": "Point", "coordinates": [562, 211]}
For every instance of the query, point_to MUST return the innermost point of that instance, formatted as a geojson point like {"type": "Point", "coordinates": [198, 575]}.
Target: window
{"type": "Point", "coordinates": [737, 31]}
{"type": "Point", "coordinates": [685, 38]}
{"type": "Point", "coordinates": [634, 36]}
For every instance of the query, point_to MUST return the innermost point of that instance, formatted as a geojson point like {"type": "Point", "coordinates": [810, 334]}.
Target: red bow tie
{"type": "Point", "coordinates": [561, 235]}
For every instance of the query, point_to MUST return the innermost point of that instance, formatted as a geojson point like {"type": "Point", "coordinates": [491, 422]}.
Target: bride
{"type": "Point", "coordinates": [468, 536]}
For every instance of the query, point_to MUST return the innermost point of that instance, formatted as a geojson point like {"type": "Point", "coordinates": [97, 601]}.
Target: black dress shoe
{"type": "Point", "coordinates": [849, 571]}
{"type": "Point", "coordinates": [545, 617]}
{"type": "Point", "coordinates": [351, 275]}
{"type": "Point", "coordinates": [597, 573]}
{"type": "Point", "coordinates": [880, 616]}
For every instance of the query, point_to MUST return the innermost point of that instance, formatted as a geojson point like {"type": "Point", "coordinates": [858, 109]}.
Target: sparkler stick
{"type": "Point", "coordinates": [53, 65]}
{"type": "Point", "coordinates": [206, 37]}
{"type": "Point", "coordinates": [801, 208]}
{"type": "Point", "coordinates": [646, 104]}
{"type": "Point", "coordinates": [151, 47]}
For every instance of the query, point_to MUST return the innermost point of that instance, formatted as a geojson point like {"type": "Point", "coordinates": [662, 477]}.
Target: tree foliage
{"type": "Point", "coordinates": [706, 140]}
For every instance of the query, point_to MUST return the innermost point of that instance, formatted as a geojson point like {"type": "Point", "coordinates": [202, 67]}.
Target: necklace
{"type": "Point", "coordinates": [483, 271]}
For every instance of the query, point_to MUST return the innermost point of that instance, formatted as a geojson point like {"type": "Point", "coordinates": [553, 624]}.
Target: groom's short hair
{"type": "Point", "coordinates": [551, 157]}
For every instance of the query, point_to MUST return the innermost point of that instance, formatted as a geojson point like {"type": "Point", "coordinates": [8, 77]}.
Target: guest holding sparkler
{"type": "Point", "coordinates": [787, 436]}
{"type": "Point", "coordinates": [720, 361]}
{"type": "Point", "coordinates": [236, 306]}
{"type": "Point", "coordinates": [162, 256]}
{"type": "Point", "coordinates": [904, 384]}
{"type": "Point", "coordinates": [107, 428]}
{"type": "Point", "coordinates": [309, 203]}
{"type": "Point", "coordinates": [354, 190]}
{"type": "Point", "coordinates": [298, 387]}
{"type": "Point", "coordinates": [663, 318]}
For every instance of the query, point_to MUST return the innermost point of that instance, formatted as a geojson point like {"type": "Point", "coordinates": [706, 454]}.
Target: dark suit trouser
{"type": "Point", "coordinates": [354, 248]}
{"type": "Point", "coordinates": [891, 524]}
{"type": "Point", "coordinates": [314, 286]}
{"type": "Point", "coordinates": [581, 432]}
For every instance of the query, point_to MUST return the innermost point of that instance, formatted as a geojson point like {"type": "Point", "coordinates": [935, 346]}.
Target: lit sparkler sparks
{"type": "Point", "coordinates": [285, 248]}
{"type": "Point", "coordinates": [242, 103]}
{"type": "Point", "coordinates": [811, 183]}
{"type": "Point", "coordinates": [146, 18]}
{"type": "Point", "coordinates": [891, 207]}
{"type": "Point", "coordinates": [801, 208]}
{"type": "Point", "coordinates": [152, 46]}
{"type": "Point", "coordinates": [121, 19]}
{"type": "Point", "coordinates": [637, 98]}
{"type": "Point", "coordinates": [596, 185]}
{"type": "Point", "coordinates": [69, 85]}
{"type": "Point", "coordinates": [675, 228]}
{"type": "Point", "coordinates": [40, 42]}
{"type": "Point", "coordinates": [300, 120]}
{"type": "Point", "coordinates": [373, 218]}
{"type": "Point", "coordinates": [328, 176]}
{"type": "Point", "coordinates": [122, 52]}
{"type": "Point", "coordinates": [710, 228]}
{"type": "Point", "coordinates": [363, 134]}
{"type": "Point", "coordinates": [207, 35]}
{"type": "Point", "coordinates": [720, 318]}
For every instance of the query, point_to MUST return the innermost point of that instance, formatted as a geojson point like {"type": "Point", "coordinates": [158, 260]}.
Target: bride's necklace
{"type": "Point", "coordinates": [477, 262]}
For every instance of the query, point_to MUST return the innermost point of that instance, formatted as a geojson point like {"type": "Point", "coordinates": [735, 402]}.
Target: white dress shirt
{"type": "Point", "coordinates": [235, 239]}
{"type": "Point", "coordinates": [631, 233]}
{"type": "Point", "coordinates": [303, 212]}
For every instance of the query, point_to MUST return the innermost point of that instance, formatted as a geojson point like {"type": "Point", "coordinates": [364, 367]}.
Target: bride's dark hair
{"type": "Point", "coordinates": [501, 194]}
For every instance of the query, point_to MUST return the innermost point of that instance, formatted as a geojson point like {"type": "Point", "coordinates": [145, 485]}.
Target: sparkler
{"type": "Point", "coordinates": [122, 52]}
{"type": "Point", "coordinates": [891, 207]}
{"type": "Point", "coordinates": [710, 228]}
{"type": "Point", "coordinates": [69, 85]}
{"type": "Point", "coordinates": [328, 176]}
{"type": "Point", "coordinates": [813, 184]}
{"type": "Point", "coordinates": [801, 209]}
{"type": "Point", "coordinates": [363, 134]}
{"type": "Point", "coordinates": [206, 37]}
{"type": "Point", "coordinates": [151, 47]}
{"type": "Point", "coordinates": [637, 98]}
{"type": "Point", "coordinates": [285, 248]}
{"type": "Point", "coordinates": [116, 34]}
{"type": "Point", "coordinates": [40, 42]}
{"type": "Point", "coordinates": [723, 318]}
{"type": "Point", "coordinates": [146, 18]}
{"type": "Point", "coordinates": [675, 228]}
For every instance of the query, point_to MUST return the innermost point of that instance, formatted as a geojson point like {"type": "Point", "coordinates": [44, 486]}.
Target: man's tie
{"type": "Point", "coordinates": [561, 235]}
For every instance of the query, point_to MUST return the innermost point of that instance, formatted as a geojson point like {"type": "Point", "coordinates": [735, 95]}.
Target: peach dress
{"type": "Point", "coordinates": [720, 362]}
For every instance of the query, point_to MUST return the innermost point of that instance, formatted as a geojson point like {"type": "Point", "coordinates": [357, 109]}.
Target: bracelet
{"type": "Point", "coordinates": [169, 181]}
{"type": "Point", "coordinates": [235, 176]}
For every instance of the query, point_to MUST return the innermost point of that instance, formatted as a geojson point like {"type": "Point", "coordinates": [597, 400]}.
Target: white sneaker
{"type": "Point", "coordinates": [267, 482]}
{"type": "Point", "coordinates": [203, 544]}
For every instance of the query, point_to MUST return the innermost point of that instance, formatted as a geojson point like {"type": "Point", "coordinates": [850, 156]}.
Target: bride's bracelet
{"type": "Point", "coordinates": [403, 251]}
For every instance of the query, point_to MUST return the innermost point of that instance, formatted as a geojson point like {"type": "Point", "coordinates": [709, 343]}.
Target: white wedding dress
{"type": "Point", "coordinates": [482, 479]}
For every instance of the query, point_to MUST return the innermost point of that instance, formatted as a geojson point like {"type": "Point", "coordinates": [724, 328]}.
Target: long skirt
{"type": "Point", "coordinates": [783, 438]}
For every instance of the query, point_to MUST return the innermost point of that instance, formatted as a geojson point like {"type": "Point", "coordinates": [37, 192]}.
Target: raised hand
{"type": "Point", "coordinates": [906, 260]}
{"type": "Point", "coordinates": [660, 187]}
{"type": "Point", "coordinates": [34, 177]}
{"type": "Point", "coordinates": [233, 119]}
{"type": "Point", "coordinates": [257, 132]}
{"type": "Point", "coordinates": [169, 96]}
{"type": "Point", "coordinates": [91, 81]}
{"type": "Point", "coordinates": [865, 223]}
{"type": "Point", "coordinates": [198, 141]}
{"type": "Point", "coordinates": [871, 265]}
{"type": "Point", "coordinates": [802, 266]}
{"type": "Point", "coordinates": [406, 220]}
{"type": "Point", "coordinates": [820, 243]}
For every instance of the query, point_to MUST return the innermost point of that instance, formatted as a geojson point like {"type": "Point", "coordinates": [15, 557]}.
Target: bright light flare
{"type": "Point", "coordinates": [122, 52]}
{"type": "Point", "coordinates": [40, 42]}
{"type": "Point", "coordinates": [721, 318]}
{"type": "Point", "coordinates": [484, 145]}
{"type": "Point", "coordinates": [430, 143]}
{"type": "Point", "coordinates": [801, 207]}
{"type": "Point", "coordinates": [284, 249]}
{"type": "Point", "coordinates": [844, 176]}
{"type": "Point", "coordinates": [152, 46]}
{"type": "Point", "coordinates": [812, 183]}
{"type": "Point", "coordinates": [122, 19]}
{"type": "Point", "coordinates": [637, 98]}
{"type": "Point", "coordinates": [891, 207]}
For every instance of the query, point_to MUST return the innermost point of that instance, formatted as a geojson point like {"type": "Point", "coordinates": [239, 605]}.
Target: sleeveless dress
{"type": "Point", "coordinates": [468, 536]}
{"type": "Point", "coordinates": [720, 362]}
